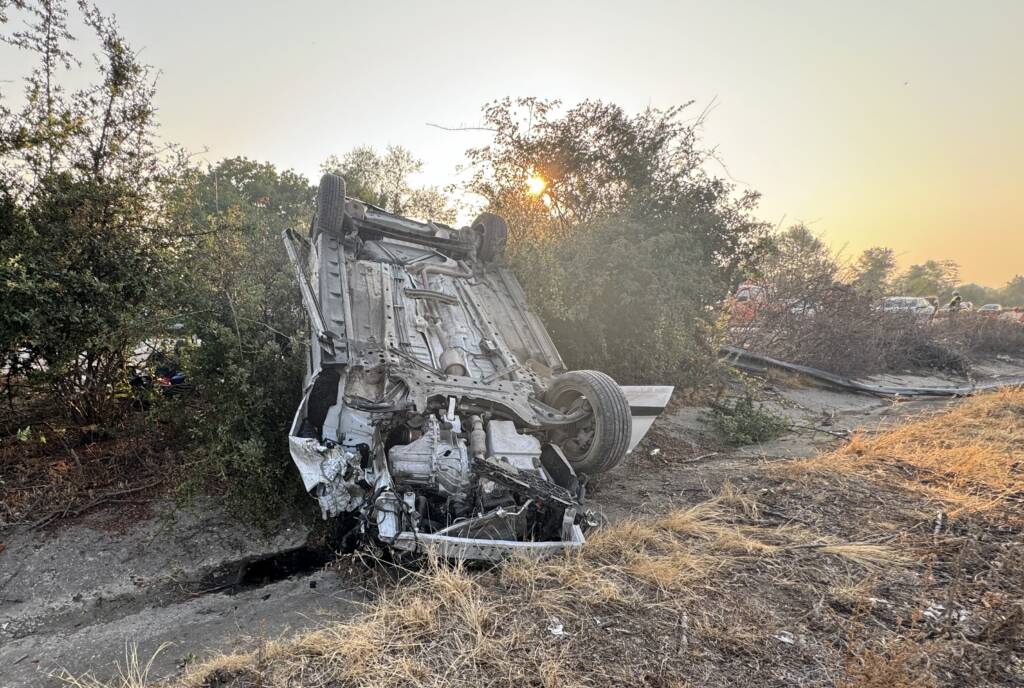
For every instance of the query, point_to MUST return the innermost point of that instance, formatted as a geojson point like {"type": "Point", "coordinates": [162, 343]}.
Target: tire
{"type": "Point", "coordinates": [611, 422]}
{"type": "Point", "coordinates": [330, 206]}
{"type": "Point", "coordinates": [493, 236]}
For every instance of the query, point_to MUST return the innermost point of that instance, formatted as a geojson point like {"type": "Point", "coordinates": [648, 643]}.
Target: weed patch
{"type": "Point", "coordinates": [742, 422]}
{"type": "Point", "coordinates": [968, 457]}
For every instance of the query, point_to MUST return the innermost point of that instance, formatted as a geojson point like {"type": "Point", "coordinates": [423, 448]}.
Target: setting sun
{"type": "Point", "coordinates": [536, 184]}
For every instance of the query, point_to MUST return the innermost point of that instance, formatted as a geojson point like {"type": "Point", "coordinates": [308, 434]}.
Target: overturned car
{"type": "Point", "coordinates": [437, 413]}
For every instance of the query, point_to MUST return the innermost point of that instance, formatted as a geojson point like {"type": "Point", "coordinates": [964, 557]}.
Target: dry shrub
{"type": "Point", "coordinates": [843, 331]}
{"type": "Point", "coordinates": [836, 328]}
{"type": "Point", "coordinates": [969, 456]}
{"type": "Point", "coordinates": [815, 311]}
{"type": "Point", "coordinates": [905, 667]}
{"type": "Point", "coordinates": [979, 335]}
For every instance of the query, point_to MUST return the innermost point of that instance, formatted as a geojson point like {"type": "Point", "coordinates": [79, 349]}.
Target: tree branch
{"type": "Point", "coordinates": [444, 128]}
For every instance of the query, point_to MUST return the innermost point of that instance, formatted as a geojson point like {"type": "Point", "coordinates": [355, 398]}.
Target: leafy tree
{"type": "Point", "coordinates": [931, 278]}
{"type": "Point", "coordinates": [1013, 293]}
{"type": "Point", "coordinates": [978, 294]}
{"type": "Point", "coordinates": [624, 297]}
{"type": "Point", "coordinates": [629, 240]}
{"type": "Point", "coordinates": [383, 181]}
{"type": "Point", "coordinates": [596, 160]}
{"type": "Point", "coordinates": [874, 270]}
{"type": "Point", "coordinates": [237, 294]}
{"type": "Point", "coordinates": [797, 265]}
{"type": "Point", "coordinates": [80, 187]}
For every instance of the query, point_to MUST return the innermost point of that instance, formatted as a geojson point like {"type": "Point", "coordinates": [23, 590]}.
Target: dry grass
{"type": "Point", "coordinates": [971, 457]}
{"type": "Point", "coordinates": [868, 554]}
{"type": "Point", "coordinates": [631, 587]}
{"type": "Point", "coordinates": [727, 592]}
{"type": "Point", "coordinates": [133, 673]}
{"type": "Point", "coordinates": [54, 471]}
{"type": "Point", "coordinates": [902, 668]}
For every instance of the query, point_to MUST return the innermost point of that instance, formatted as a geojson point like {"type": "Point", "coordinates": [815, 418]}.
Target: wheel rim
{"type": "Point", "coordinates": [577, 439]}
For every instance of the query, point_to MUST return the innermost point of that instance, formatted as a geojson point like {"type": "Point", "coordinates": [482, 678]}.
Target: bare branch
{"type": "Point", "coordinates": [444, 128]}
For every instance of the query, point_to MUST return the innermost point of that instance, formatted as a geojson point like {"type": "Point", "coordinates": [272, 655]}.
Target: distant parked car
{"type": "Point", "coordinates": [916, 306]}
{"type": "Point", "coordinates": [744, 304]}
{"type": "Point", "coordinates": [991, 309]}
{"type": "Point", "coordinates": [751, 300]}
{"type": "Point", "coordinates": [1015, 314]}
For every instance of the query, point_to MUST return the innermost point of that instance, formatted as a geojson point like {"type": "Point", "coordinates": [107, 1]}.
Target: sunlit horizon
{"type": "Point", "coordinates": [876, 125]}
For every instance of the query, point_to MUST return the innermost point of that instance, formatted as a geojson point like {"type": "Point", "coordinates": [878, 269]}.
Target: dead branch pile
{"type": "Point", "coordinates": [836, 328]}
{"type": "Point", "coordinates": [978, 335]}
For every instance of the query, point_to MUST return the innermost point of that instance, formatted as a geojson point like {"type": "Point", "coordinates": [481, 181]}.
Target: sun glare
{"type": "Point", "coordinates": [536, 184]}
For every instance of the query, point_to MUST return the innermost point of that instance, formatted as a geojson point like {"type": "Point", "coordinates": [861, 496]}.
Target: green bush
{"type": "Point", "coordinates": [238, 297]}
{"type": "Point", "coordinates": [81, 178]}
{"type": "Point", "coordinates": [629, 243]}
{"type": "Point", "coordinates": [626, 296]}
{"type": "Point", "coordinates": [742, 422]}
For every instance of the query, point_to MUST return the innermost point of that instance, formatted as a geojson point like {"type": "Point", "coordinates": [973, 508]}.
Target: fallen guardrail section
{"type": "Point", "coordinates": [759, 363]}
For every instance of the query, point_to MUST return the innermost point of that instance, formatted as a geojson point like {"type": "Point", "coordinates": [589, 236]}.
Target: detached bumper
{"type": "Point", "coordinates": [480, 549]}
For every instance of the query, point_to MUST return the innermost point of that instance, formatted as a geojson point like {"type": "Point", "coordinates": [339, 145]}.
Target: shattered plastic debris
{"type": "Point", "coordinates": [555, 627]}
{"type": "Point", "coordinates": [936, 611]}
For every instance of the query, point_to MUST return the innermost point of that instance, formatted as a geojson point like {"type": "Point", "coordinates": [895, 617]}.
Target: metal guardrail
{"type": "Point", "coordinates": [754, 362]}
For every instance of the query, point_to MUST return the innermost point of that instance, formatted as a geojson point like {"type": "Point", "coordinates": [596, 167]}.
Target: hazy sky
{"type": "Point", "coordinates": [888, 123]}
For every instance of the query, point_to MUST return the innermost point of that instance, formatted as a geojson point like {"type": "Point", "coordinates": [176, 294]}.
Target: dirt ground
{"type": "Point", "coordinates": [195, 583]}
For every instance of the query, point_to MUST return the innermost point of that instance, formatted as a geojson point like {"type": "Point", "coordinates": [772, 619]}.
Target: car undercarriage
{"type": "Point", "coordinates": [437, 413]}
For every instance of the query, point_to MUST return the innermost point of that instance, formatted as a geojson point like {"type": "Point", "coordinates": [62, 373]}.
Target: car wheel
{"type": "Point", "coordinates": [330, 205]}
{"type": "Point", "coordinates": [599, 442]}
{"type": "Point", "coordinates": [492, 231]}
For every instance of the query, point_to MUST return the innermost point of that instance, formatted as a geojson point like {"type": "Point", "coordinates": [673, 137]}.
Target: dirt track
{"type": "Point", "coordinates": [73, 597]}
